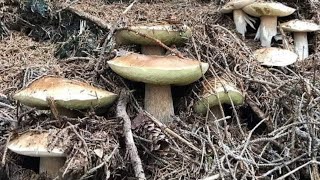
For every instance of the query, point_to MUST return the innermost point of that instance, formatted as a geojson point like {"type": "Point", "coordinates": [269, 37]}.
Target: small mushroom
{"type": "Point", "coordinates": [36, 145]}
{"type": "Point", "coordinates": [67, 94]}
{"type": "Point", "coordinates": [300, 28]}
{"type": "Point", "coordinates": [268, 13]}
{"type": "Point", "coordinates": [158, 72]}
{"type": "Point", "coordinates": [275, 56]}
{"type": "Point", "coordinates": [216, 90]}
{"type": "Point", "coordinates": [240, 18]}
{"type": "Point", "coordinates": [168, 34]}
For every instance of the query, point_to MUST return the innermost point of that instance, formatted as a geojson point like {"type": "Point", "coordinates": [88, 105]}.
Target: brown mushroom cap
{"type": "Point", "coordinates": [258, 9]}
{"type": "Point", "coordinates": [297, 25]}
{"type": "Point", "coordinates": [158, 70]}
{"type": "Point", "coordinates": [66, 93]}
{"type": "Point", "coordinates": [275, 56]}
{"type": "Point", "coordinates": [216, 90]}
{"type": "Point", "coordinates": [168, 34]}
{"type": "Point", "coordinates": [35, 145]}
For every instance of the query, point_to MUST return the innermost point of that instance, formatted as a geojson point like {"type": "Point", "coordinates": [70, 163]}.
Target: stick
{"type": "Point", "coordinates": [96, 20]}
{"type": "Point", "coordinates": [172, 133]}
{"type": "Point", "coordinates": [130, 145]}
{"type": "Point", "coordinates": [174, 51]}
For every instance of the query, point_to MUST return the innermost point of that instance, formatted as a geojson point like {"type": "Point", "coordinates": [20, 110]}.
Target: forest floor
{"type": "Point", "coordinates": [273, 135]}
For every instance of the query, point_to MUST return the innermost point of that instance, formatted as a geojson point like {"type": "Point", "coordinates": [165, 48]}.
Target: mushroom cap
{"type": "Point", "coordinates": [70, 94]}
{"type": "Point", "coordinates": [215, 90]}
{"type": "Point", "coordinates": [168, 34]}
{"type": "Point", "coordinates": [258, 9]}
{"type": "Point", "coordinates": [35, 145]}
{"type": "Point", "coordinates": [275, 56]}
{"type": "Point", "coordinates": [235, 4]}
{"type": "Point", "coordinates": [297, 25]}
{"type": "Point", "coordinates": [158, 70]}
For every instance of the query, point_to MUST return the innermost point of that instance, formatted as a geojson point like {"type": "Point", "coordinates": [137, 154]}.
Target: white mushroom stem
{"type": "Point", "coordinates": [241, 19]}
{"type": "Point", "coordinates": [158, 98]}
{"type": "Point", "coordinates": [51, 165]}
{"type": "Point", "coordinates": [301, 44]}
{"type": "Point", "coordinates": [267, 29]}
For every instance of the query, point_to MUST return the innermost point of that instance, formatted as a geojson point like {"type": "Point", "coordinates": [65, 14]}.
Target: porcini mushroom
{"type": "Point", "coordinates": [67, 94]}
{"type": "Point", "coordinates": [216, 90]}
{"type": "Point", "coordinates": [300, 28]}
{"type": "Point", "coordinates": [36, 145]}
{"type": "Point", "coordinates": [168, 34]}
{"type": "Point", "coordinates": [268, 13]}
{"type": "Point", "coordinates": [240, 18]}
{"type": "Point", "coordinates": [158, 72]}
{"type": "Point", "coordinates": [275, 56]}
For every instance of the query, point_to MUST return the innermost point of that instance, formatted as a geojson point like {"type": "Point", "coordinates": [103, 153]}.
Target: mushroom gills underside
{"type": "Point", "coordinates": [241, 19]}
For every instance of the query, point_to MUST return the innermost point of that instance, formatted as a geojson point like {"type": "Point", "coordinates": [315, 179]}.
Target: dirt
{"type": "Point", "coordinates": [276, 127]}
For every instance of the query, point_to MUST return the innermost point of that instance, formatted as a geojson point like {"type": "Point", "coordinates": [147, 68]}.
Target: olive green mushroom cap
{"type": "Point", "coordinates": [258, 9]}
{"type": "Point", "coordinates": [215, 90]}
{"type": "Point", "coordinates": [235, 4]}
{"type": "Point", "coordinates": [35, 145]}
{"type": "Point", "coordinates": [158, 70]}
{"type": "Point", "coordinates": [275, 56]}
{"type": "Point", "coordinates": [168, 34]}
{"type": "Point", "coordinates": [297, 25]}
{"type": "Point", "coordinates": [70, 94]}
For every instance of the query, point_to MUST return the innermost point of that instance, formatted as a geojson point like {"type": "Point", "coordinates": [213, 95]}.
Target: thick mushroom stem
{"type": "Point", "coordinates": [241, 19]}
{"type": "Point", "coordinates": [51, 165]}
{"type": "Point", "coordinates": [158, 102]}
{"type": "Point", "coordinates": [158, 98]}
{"type": "Point", "coordinates": [267, 29]}
{"type": "Point", "coordinates": [301, 44]}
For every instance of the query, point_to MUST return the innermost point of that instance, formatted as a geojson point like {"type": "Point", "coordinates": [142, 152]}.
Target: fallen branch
{"type": "Point", "coordinates": [96, 20]}
{"type": "Point", "coordinates": [130, 145]}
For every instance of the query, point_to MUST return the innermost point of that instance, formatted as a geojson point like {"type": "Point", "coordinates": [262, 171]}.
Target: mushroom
{"type": "Point", "coordinates": [300, 28]}
{"type": "Point", "coordinates": [240, 18]}
{"type": "Point", "coordinates": [275, 56]}
{"type": "Point", "coordinates": [168, 34]}
{"type": "Point", "coordinates": [36, 145]}
{"type": "Point", "coordinates": [216, 90]}
{"type": "Point", "coordinates": [268, 13]}
{"type": "Point", "coordinates": [67, 94]}
{"type": "Point", "coordinates": [158, 72]}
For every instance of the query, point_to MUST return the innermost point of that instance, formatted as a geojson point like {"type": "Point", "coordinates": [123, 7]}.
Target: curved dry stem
{"type": "Point", "coordinates": [266, 30]}
{"type": "Point", "coordinates": [301, 44]}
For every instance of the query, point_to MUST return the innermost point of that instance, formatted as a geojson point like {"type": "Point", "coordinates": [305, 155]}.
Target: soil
{"type": "Point", "coordinates": [274, 134]}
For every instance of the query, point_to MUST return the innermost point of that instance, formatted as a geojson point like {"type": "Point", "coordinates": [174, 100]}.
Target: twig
{"type": "Point", "coordinates": [92, 170]}
{"type": "Point", "coordinates": [260, 114]}
{"type": "Point", "coordinates": [6, 105]}
{"type": "Point", "coordinates": [174, 51]}
{"type": "Point", "coordinates": [172, 133]}
{"type": "Point", "coordinates": [98, 21]}
{"type": "Point", "coordinates": [130, 145]}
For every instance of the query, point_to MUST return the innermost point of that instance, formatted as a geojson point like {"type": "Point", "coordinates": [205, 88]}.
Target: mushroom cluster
{"type": "Point", "coordinates": [157, 70]}
{"type": "Point", "coordinates": [268, 12]}
{"type": "Point", "coordinates": [68, 96]}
